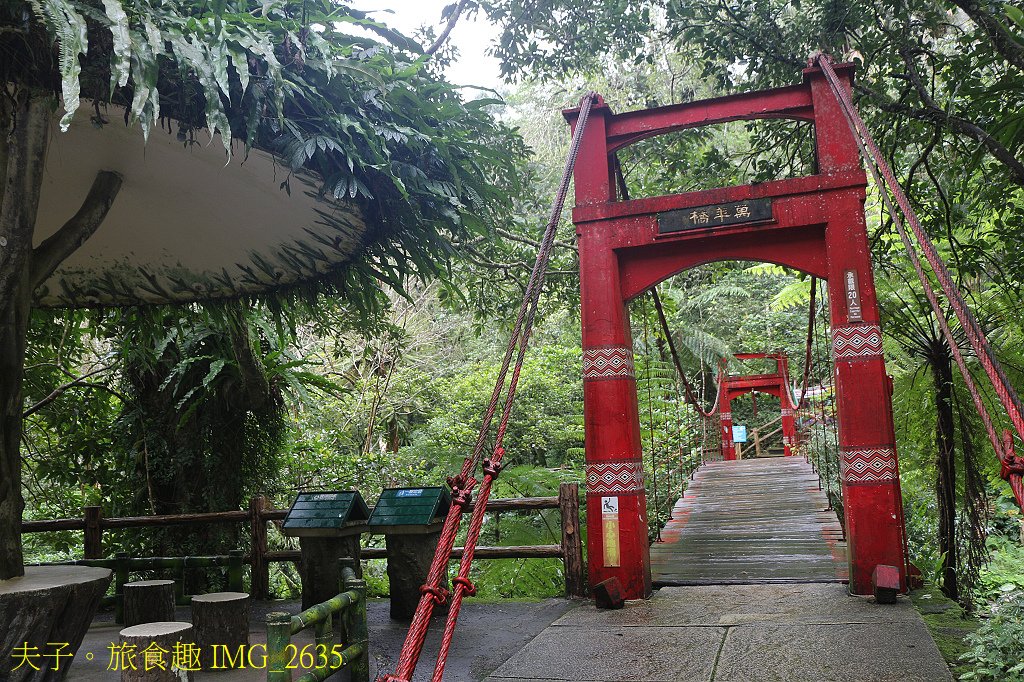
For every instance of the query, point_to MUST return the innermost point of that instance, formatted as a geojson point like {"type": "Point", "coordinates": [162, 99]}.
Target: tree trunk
{"type": "Point", "coordinates": [148, 601]}
{"type": "Point", "coordinates": [221, 627]}
{"type": "Point", "coordinates": [23, 173]}
{"type": "Point", "coordinates": [945, 466]}
{"type": "Point", "coordinates": [162, 667]}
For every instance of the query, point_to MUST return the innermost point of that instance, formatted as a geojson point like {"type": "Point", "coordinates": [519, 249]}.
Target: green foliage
{"type": "Point", "coordinates": [549, 394]}
{"type": "Point", "coordinates": [522, 578]}
{"type": "Point", "coordinates": [997, 647]}
{"type": "Point", "coordinates": [1003, 572]}
{"type": "Point", "coordinates": [666, 426]}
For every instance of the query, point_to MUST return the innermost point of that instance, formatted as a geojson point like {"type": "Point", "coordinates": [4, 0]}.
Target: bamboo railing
{"type": "Point", "coordinates": [326, 656]}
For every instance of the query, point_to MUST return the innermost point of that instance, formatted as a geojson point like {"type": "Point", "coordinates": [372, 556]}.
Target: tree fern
{"type": "Point", "coordinates": [795, 294]}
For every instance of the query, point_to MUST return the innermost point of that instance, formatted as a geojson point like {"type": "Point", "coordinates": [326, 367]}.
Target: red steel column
{"type": "Point", "coordinates": [869, 469]}
{"type": "Point", "coordinates": [786, 404]}
{"type": "Point", "coordinates": [616, 501]}
{"type": "Point", "coordinates": [788, 426]}
{"type": "Point", "coordinates": [868, 465]}
{"type": "Point", "coordinates": [725, 420]}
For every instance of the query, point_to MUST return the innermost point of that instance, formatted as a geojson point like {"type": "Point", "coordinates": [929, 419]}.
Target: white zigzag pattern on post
{"type": "Point", "coordinates": [726, 416]}
{"type": "Point", "coordinates": [787, 412]}
{"type": "Point", "coordinates": [856, 343]}
{"type": "Point", "coordinates": [869, 465]}
{"type": "Point", "coordinates": [607, 363]}
{"type": "Point", "coordinates": [611, 478]}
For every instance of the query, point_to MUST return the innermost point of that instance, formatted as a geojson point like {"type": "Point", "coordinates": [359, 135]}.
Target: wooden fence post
{"type": "Point", "coordinates": [260, 574]}
{"type": "Point", "coordinates": [93, 533]}
{"type": "Point", "coordinates": [572, 544]}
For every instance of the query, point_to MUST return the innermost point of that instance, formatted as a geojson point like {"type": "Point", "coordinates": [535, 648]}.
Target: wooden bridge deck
{"type": "Point", "coordinates": [751, 521]}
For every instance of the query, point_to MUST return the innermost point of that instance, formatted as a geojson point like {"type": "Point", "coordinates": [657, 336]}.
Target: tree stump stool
{"type": "Point", "coordinates": [221, 622]}
{"type": "Point", "coordinates": [148, 601]}
{"type": "Point", "coordinates": [157, 652]}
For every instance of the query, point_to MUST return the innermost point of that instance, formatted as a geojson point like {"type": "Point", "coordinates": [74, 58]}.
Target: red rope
{"type": "Point", "coordinates": [1013, 466]}
{"type": "Point", "coordinates": [462, 485]}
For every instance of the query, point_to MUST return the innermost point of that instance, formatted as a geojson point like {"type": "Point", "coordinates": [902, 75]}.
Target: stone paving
{"type": "Point", "coordinates": [735, 633]}
{"type": "Point", "coordinates": [488, 635]}
{"type": "Point", "coordinates": [751, 568]}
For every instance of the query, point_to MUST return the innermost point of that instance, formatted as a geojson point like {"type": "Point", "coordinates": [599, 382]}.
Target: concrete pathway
{"type": "Point", "coordinates": [751, 521]}
{"type": "Point", "coordinates": [488, 634]}
{"type": "Point", "coordinates": [735, 633]}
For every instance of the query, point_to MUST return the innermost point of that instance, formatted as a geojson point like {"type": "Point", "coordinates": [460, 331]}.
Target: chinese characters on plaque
{"type": "Point", "coordinates": [716, 215]}
{"type": "Point", "coordinates": [853, 311]}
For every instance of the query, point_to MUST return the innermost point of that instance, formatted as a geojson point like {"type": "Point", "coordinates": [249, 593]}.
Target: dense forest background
{"type": "Point", "coordinates": [199, 408]}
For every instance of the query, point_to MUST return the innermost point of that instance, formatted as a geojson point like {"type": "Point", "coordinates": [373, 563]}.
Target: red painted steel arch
{"type": "Point", "coordinates": [814, 224]}
{"type": "Point", "coordinates": [732, 386]}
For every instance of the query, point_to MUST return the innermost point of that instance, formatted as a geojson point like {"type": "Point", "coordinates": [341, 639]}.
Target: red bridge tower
{"type": "Point", "coordinates": [814, 224]}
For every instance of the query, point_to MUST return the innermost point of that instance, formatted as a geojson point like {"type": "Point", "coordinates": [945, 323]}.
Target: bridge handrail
{"type": "Point", "coordinates": [350, 604]}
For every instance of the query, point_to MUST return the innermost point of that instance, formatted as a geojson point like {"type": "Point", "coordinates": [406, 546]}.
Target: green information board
{"type": "Point", "coordinates": [325, 513]}
{"type": "Point", "coordinates": [407, 507]}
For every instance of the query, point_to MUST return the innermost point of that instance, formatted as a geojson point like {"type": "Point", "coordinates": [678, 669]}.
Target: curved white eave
{"type": "Point", "coordinates": [184, 226]}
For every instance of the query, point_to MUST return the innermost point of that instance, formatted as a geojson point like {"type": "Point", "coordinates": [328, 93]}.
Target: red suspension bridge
{"type": "Point", "coordinates": [814, 224]}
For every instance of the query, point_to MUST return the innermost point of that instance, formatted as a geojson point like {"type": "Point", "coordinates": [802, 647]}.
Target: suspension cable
{"type": "Point", "coordinates": [690, 392]}
{"type": "Point", "coordinates": [1012, 466]}
{"type": "Point", "coordinates": [650, 414]}
{"type": "Point", "coordinates": [433, 592]}
{"type": "Point", "coordinates": [824, 476]}
{"type": "Point", "coordinates": [810, 339]}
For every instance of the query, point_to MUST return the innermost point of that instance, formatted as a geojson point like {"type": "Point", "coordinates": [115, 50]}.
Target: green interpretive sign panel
{"type": "Point", "coordinates": [325, 511]}
{"type": "Point", "coordinates": [409, 507]}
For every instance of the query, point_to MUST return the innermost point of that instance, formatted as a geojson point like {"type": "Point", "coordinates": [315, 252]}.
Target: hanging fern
{"type": "Point", "coordinates": [69, 29]}
{"type": "Point", "coordinates": [367, 119]}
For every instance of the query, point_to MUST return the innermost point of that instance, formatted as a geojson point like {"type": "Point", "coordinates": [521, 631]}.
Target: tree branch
{"type": "Point", "coordinates": [531, 242]}
{"type": "Point", "coordinates": [452, 20]}
{"type": "Point", "coordinates": [1002, 40]}
{"type": "Point", "coordinates": [52, 252]}
{"type": "Point", "coordinates": [60, 390]}
{"type": "Point", "coordinates": [935, 115]}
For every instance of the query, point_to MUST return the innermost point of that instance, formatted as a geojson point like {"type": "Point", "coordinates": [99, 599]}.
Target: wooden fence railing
{"type": "Point", "coordinates": [259, 558]}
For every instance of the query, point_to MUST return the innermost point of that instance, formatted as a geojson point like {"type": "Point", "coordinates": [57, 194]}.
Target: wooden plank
{"type": "Point", "coordinates": [749, 522]}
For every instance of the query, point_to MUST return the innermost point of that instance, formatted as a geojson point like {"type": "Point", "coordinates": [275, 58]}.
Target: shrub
{"type": "Point", "coordinates": [996, 651]}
